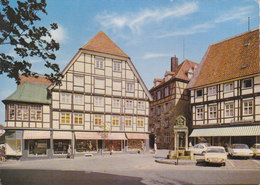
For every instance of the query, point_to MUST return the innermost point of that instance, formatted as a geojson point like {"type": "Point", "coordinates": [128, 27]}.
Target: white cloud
{"type": "Point", "coordinates": [238, 13]}
{"type": "Point", "coordinates": [155, 55]}
{"type": "Point", "coordinates": [59, 35]}
{"type": "Point", "coordinates": [200, 28]}
{"type": "Point", "coordinates": [135, 21]}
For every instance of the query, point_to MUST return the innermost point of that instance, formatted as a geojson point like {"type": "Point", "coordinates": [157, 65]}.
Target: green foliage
{"type": "Point", "coordinates": [18, 30]}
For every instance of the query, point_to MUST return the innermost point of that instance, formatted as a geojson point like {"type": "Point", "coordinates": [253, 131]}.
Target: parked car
{"type": "Point", "coordinates": [240, 150]}
{"type": "Point", "coordinates": [256, 150]}
{"type": "Point", "coordinates": [216, 155]}
{"type": "Point", "coordinates": [199, 148]}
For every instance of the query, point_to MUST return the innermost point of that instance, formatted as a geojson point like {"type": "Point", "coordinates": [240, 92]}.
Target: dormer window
{"type": "Point", "coordinates": [247, 83]}
{"type": "Point", "coordinates": [212, 90]}
{"type": "Point", "coordinates": [199, 93]}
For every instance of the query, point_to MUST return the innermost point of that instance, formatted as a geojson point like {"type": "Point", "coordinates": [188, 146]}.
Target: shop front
{"type": "Point", "coordinates": [136, 141]}
{"type": "Point", "coordinates": [61, 142]}
{"type": "Point", "coordinates": [36, 144]}
{"type": "Point", "coordinates": [115, 141]}
{"type": "Point", "coordinates": [87, 142]}
{"type": "Point", "coordinates": [13, 143]}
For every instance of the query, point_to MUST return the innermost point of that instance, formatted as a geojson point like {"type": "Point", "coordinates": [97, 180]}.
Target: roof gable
{"type": "Point", "coordinates": [103, 44]}
{"type": "Point", "coordinates": [232, 58]}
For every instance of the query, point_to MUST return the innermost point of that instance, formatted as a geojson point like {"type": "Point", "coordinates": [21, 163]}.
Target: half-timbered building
{"type": "Point", "coordinates": [225, 92]}
{"type": "Point", "coordinates": [170, 100]}
{"type": "Point", "coordinates": [102, 104]}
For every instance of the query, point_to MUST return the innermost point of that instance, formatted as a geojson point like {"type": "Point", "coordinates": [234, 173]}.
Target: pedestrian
{"type": "Point", "coordinates": [143, 146]}
{"type": "Point", "coordinates": [69, 152]}
{"type": "Point", "coordinates": [112, 150]}
{"type": "Point", "coordinates": [154, 148]}
{"type": "Point", "coordinates": [2, 154]}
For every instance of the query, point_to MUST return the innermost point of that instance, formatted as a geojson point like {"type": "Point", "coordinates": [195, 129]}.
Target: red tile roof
{"type": "Point", "coordinates": [232, 58]}
{"type": "Point", "coordinates": [103, 44]}
{"type": "Point", "coordinates": [39, 80]}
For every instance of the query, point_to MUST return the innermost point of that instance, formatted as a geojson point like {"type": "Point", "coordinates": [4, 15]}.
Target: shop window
{"type": "Point", "coordinates": [117, 145]}
{"type": "Point", "coordinates": [98, 120]}
{"type": "Point", "coordinates": [247, 83]}
{"type": "Point", "coordinates": [78, 118]}
{"type": "Point", "coordinates": [229, 110]}
{"type": "Point", "coordinates": [22, 112]}
{"type": "Point", "coordinates": [117, 66]}
{"type": "Point", "coordinates": [115, 120]}
{"type": "Point", "coordinates": [61, 146]}
{"type": "Point", "coordinates": [134, 144]}
{"type": "Point", "coordinates": [65, 98]}
{"type": "Point", "coordinates": [140, 122]}
{"type": "Point", "coordinates": [213, 112]}
{"type": "Point", "coordinates": [11, 111]}
{"type": "Point", "coordinates": [86, 145]}
{"type": "Point", "coordinates": [228, 87]}
{"type": "Point", "coordinates": [129, 87]}
{"type": "Point", "coordinates": [199, 113]}
{"type": "Point", "coordinates": [116, 103]}
{"type": "Point", "coordinates": [36, 113]}
{"type": "Point", "coordinates": [78, 99]}
{"type": "Point", "coordinates": [37, 147]}
{"type": "Point", "coordinates": [248, 107]}
{"type": "Point", "coordinates": [79, 80]}
{"type": "Point", "coordinates": [65, 118]}
{"type": "Point", "coordinates": [128, 121]}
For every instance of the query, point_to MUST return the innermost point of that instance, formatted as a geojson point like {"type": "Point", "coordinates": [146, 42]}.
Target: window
{"type": "Point", "coordinates": [229, 109]}
{"type": "Point", "coordinates": [98, 101]}
{"type": "Point", "coordinates": [199, 93]}
{"type": "Point", "coordinates": [248, 107]}
{"type": "Point", "coordinates": [166, 91]}
{"type": "Point", "coordinates": [79, 80]}
{"type": "Point", "coordinates": [128, 121]}
{"type": "Point", "coordinates": [140, 122]}
{"type": "Point", "coordinates": [167, 137]}
{"type": "Point", "coordinates": [22, 112]}
{"type": "Point", "coordinates": [99, 63]}
{"type": "Point", "coordinates": [167, 123]}
{"type": "Point", "coordinates": [78, 99]}
{"type": "Point", "coordinates": [159, 110]}
{"type": "Point", "coordinates": [213, 112]}
{"type": "Point", "coordinates": [129, 104]}
{"type": "Point", "coordinates": [11, 112]}
{"type": "Point", "coordinates": [166, 107]}
{"type": "Point", "coordinates": [228, 87]}
{"type": "Point", "coordinates": [129, 87]}
{"type": "Point", "coordinates": [199, 113]}
{"type": "Point", "coordinates": [247, 83]}
{"type": "Point", "coordinates": [212, 90]}
{"type": "Point", "coordinates": [98, 120]}
{"type": "Point", "coordinates": [116, 103]}
{"type": "Point", "coordinates": [78, 118]}
{"type": "Point", "coordinates": [115, 120]}
{"type": "Point", "coordinates": [117, 66]}
{"type": "Point", "coordinates": [65, 98]}
{"type": "Point", "coordinates": [159, 95]}
{"type": "Point", "coordinates": [65, 118]}
{"type": "Point", "coordinates": [140, 105]}
{"type": "Point", "coordinates": [36, 113]}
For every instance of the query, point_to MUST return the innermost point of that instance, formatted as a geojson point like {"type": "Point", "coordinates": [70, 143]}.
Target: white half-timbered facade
{"type": "Point", "coordinates": [225, 93]}
{"type": "Point", "coordinates": [102, 105]}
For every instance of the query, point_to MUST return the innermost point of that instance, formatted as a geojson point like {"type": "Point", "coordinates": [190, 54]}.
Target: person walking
{"type": "Point", "coordinates": [69, 152]}
{"type": "Point", "coordinates": [112, 150]}
{"type": "Point", "coordinates": [154, 148]}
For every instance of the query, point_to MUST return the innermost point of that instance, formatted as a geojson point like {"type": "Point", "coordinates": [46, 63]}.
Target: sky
{"type": "Point", "coordinates": [150, 32]}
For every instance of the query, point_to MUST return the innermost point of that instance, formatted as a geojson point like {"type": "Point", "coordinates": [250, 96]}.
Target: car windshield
{"type": "Point", "coordinates": [215, 150]}
{"type": "Point", "coordinates": [240, 146]}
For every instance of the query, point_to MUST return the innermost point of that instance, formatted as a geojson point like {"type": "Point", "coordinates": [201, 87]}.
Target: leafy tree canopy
{"type": "Point", "coordinates": [18, 31]}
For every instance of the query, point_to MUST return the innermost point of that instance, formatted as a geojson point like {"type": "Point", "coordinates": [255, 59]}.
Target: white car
{"type": "Point", "coordinates": [216, 155]}
{"type": "Point", "coordinates": [240, 150]}
{"type": "Point", "coordinates": [256, 150]}
{"type": "Point", "coordinates": [199, 148]}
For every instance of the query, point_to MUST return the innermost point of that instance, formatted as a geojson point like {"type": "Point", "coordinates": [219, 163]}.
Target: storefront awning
{"type": "Point", "coordinates": [62, 135]}
{"type": "Point", "coordinates": [137, 136]}
{"type": "Point", "coordinates": [253, 130]}
{"type": "Point", "coordinates": [32, 134]}
{"type": "Point", "coordinates": [88, 135]}
{"type": "Point", "coordinates": [115, 136]}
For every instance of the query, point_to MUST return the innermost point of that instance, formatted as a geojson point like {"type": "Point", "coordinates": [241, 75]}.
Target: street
{"type": "Point", "coordinates": [127, 169]}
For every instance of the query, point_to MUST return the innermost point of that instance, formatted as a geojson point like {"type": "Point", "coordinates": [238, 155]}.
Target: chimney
{"type": "Point", "coordinates": [174, 63]}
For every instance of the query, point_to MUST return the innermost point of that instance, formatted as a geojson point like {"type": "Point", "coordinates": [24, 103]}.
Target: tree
{"type": "Point", "coordinates": [18, 31]}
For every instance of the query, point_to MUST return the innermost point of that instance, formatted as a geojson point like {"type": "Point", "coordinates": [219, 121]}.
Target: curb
{"type": "Point", "coordinates": [180, 162]}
